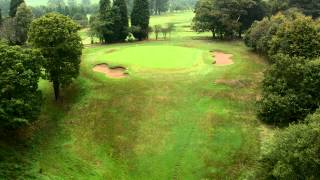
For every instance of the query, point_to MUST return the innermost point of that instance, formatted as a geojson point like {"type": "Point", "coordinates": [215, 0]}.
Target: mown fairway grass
{"type": "Point", "coordinates": [167, 120]}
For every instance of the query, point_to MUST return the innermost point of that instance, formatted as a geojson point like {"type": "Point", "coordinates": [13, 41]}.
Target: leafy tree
{"type": "Point", "coordinates": [23, 20]}
{"type": "Point", "coordinates": [57, 37]}
{"type": "Point", "coordinates": [290, 89]}
{"type": "Point", "coordinates": [20, 99]}
{"type": "Point", "coordinates": [161, 6]}
{"type": "Point", "coordinates": [0, 18]}
{"type": "Point", "coordinates": [278, 5]}
{"type": "Point", "coordinates": [297, 37]}
{"type": "Point", "coordinates": [226, 18]}
{"type": "Point", "coordinates": [121, 27]}
{"type": "Point", "coordinates": [294, 152]}
{"type": "Point", "coordinates": [14, 4]}
{"type": "Point", "coordinates": [72, 3]}
{"type": "Point", "coordinates": [261, 32]}
{"type": "Point", "coordinates": [309, 7]}
{"type": "Point", "coordinates": [157, 30]}
{"type": "Point", "coordinates": [140, 18]}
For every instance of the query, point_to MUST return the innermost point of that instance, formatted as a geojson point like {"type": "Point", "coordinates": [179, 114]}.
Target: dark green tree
{"type": "Point", "coordinates": [226, 18]}
{"type": "Point", "coordinates": [20, 99]}
{"type": "Point", "coordinates": [290, 89]}
{"type": "Point", "coordinates": [0, 17]}
{"type": "Point", "coordinates": [121, 27]}
{"type": "Point", "coordinates": [14, 4]}
{"type": "Point", "coordinates": [140, 18]}
{"type": "Point", "coordinates": [57, 37]}
{"type": "Point", "coordinates": [308, 7]}
{"type": "Point", "coordinates": [23, 20]}
{"type": "Point", "coordinates": [298, 36]}
{"type": "Point", "coordinates": [294, 152]}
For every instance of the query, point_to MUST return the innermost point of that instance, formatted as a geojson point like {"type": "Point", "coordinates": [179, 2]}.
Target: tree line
{"type": "Point", "coordinates": [290, 92]}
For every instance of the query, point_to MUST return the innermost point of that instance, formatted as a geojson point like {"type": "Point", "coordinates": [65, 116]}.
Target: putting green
{"type": "Point", "coordinates": [157, 57]}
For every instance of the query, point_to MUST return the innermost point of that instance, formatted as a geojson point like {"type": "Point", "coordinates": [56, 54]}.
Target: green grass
{"type": "Point", "coordinates": [167, 120]}
{"type": "Point", "coordinates": [157, 57]}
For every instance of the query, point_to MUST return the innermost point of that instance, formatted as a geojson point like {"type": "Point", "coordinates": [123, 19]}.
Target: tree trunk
{"type": "Point", "coordinates": [213, 34]}
{"type": "Point", "coordinates": [239, 35]}
{"type": "Point", "coordinates": [56, 88]}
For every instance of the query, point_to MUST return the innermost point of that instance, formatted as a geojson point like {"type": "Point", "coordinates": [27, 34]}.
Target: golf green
{"type": "Point", "coordinates": [156, 57]}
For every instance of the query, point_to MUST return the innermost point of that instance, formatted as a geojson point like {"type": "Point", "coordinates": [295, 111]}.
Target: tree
{"type": "Point", "coordinates": [121, 27]}
{"type": "Point", "coordinates": [72, 3]}
{"type": "Point", "coordinates": [297, 37]}
{"type": "Point", "coordinates": [0, 18]}
{"type": "Point", "coordinates": [261, 32]}
{"type": "Point", "coordinates": [308, 7]}
{"type": "Point", "coordinates": [14, 4]}
{"type": "Point", "coordinates": [140, 18]}
{"type": "Point", "coordinates": [293, 152]}
{"type": "Point", "coordinates": [20, 99]}
{"type": "Point", "coordinates": [157, 30]}
{"type": "Point", "coordinates": [226, 18]}
{"type": "Point", "coordinates": [161, 6]}
{"type": "Point", "coordinates": [290, 90]}
{"type": "Point", "coordinates": [57, 37]}
{"type": "Point", "coordinates": [23, 20]}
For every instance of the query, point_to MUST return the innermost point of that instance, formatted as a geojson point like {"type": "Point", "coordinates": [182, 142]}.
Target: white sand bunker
{"type": "Point", "coordinates": [112, 72]}
{"type": "Point", "coordinates": [222, 59]}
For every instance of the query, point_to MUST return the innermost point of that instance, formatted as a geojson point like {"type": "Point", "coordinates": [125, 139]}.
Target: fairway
{"type": "Point", "coordinates": [158, 57]}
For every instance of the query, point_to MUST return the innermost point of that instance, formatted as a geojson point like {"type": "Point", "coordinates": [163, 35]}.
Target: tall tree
{"type": "Point", "coordinates": [20, 99]}
{"type": "Point", "coordinates": [106, 21]}
{"type": "Point", "coordinates": [72, 3]}
{"type": "Point", "coordinates": [309, 7]}
{"type": "Point", "coordinates": [123, 24]}
{"type": "Point", "coordinates": [57, 37]}
{"type": "Point", "coordinates": [0, 17]}
{"type": "Point", "coordinates": [140, 19]}
{"type": "Point", "coordinates": [23, 20]}
{"type": "Point", "coordinates": [14, 4]}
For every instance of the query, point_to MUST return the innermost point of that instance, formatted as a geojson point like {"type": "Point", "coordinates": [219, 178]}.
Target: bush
{"type": "Point", "coordinates": [294, 152]}
{"type": "Point", "coordinates": [290, 89]}
{"type": "Point", "coordinates": [297, 37]}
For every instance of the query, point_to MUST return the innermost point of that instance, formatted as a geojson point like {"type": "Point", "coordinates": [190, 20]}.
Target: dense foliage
{"type": "Point", "coordinates": [15, 29]}
{"type": "Point", "coordinates": [14, 4]}
{"type": "Point", "coordinates": [294, 152]}
{"type": "Point", "coordinates": [140, 19]}
{"type": "Point", "coordinates": [227, 18]}
{"type": "Point", "coordinates": [290, 89]}
{"type": "Point", "coordinates": [57, 37]}
{"type": "Point", "coordinates": [20, 99]}
{"type": "Point", "coordinates": [121, 24]}
{"type": "Point", "coordinates": [291, 33]}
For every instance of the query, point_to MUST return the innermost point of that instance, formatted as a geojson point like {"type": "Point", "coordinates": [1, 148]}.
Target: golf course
{"type": "Point", "coordinates": [177, 114]}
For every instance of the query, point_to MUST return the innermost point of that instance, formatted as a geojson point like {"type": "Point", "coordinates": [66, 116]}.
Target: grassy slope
{"type": "Point", "coordinates": [155, 124]}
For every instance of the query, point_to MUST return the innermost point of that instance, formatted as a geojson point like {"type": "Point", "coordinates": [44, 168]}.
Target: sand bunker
{"type": "Point", "coordinates": [222, 59]}
{"type": "Point", "coordinates": [112, 72]}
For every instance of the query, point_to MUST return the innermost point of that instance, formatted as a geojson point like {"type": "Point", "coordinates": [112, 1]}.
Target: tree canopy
{"type": "Point", "coordinates": [57, 38]}
{"type": "Point", "coordinates": [227, 18]}
{"type": "Point", "coordinates": [20, 99]}
{"type": "Point", "coordinates": [14, 4]}
{"type": "Point", "coordinates": [294, 152]}
{"type": "Point", "coordinates": [140, 19]}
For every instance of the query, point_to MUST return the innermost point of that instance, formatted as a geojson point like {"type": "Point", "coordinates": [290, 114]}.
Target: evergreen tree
{"type": "Point", "coordinates": [140, 19]}
{"type": "Point", "coordinates": [121, 27]}
{"type": "Point", "coordinates": [23, 20]}
{"type": "Point", "coordinates": [106, 21]}
{"type": "Point", "coordinates": [14, 4]}
{"type": "Point", "coordinates": [0, 17]}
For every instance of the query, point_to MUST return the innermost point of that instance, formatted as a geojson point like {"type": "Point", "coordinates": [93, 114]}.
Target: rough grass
{"type": "Point", "coordinates": [156, 124]}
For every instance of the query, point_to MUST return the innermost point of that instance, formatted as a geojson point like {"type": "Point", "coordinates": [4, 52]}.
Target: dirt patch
{"type": "Point", "coordinates": [112, 72]}
{"type": "Point", "coordinates": [234, 83]}
{"type": "Point", "coordinates": [222, 59]}
{"type": "Point", "coordinates": [111, 51]}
